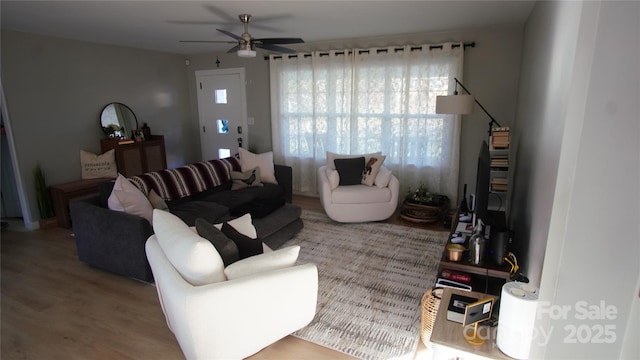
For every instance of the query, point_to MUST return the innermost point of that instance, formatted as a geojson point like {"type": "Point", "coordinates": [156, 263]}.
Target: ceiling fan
{"type": "Point", "coordinates": [246, 44]}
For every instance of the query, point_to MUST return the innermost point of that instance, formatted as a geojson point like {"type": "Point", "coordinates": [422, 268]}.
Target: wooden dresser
{"type": "Point", "coordinates": [62, 194]}
{"type": "Point", "coordinates": [139, 157]}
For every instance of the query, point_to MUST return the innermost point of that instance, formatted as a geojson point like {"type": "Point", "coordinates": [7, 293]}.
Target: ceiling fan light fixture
{"type": "Point", "coordinates": [246, 51]}
{"type": "Point", "coordinates": [246, 44]}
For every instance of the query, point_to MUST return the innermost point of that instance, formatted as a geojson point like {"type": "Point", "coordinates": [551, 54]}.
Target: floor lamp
{"type": "Point", "coordinates": [461, 105]}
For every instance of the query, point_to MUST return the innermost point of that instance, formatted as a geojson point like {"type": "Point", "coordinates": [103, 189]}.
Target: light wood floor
{"type": "Point", "coordinates": [55, 307]}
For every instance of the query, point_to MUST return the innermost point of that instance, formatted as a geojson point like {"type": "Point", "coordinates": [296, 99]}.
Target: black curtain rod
{"type": "Point", "coordinates": [431, 47]}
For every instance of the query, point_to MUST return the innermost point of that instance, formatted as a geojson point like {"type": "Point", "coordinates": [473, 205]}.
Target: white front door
{"type": "Point", "coordinates": [222, 109]}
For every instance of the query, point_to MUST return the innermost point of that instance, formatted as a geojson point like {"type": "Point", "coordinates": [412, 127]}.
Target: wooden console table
{"type": "Point", "coordinates": [486, 277]}
{"type": "Point", "coordinates": [448, 338]}
{"type": "Point", "coordinates": [139, 157]}
{"type": "Point", "coordinates": [62, 194]}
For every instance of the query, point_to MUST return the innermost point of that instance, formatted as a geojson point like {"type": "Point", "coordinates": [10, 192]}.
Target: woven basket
{"type": "Point", "coordinates": [429, 305]}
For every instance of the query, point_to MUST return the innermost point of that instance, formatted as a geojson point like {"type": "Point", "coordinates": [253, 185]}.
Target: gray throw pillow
{"type": "Point", "coordinates": [226, 247]}
{"type": "Point", "coordinates": [350, 170]}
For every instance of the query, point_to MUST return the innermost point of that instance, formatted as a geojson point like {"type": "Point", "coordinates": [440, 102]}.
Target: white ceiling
{"type": "Point", "coordinates": [159, 25]}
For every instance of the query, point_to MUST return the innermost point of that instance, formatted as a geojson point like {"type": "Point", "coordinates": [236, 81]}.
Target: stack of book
{"type": "Point", "coordinates": [499, 184]}
{"type": "Point", "coordinates": [500, 138]}
{"type": "Point", "coordinates": [499, 161]}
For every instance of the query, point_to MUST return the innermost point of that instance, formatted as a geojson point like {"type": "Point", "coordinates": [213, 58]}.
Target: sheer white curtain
{"type": "Point", "coordinates": [368, 100]}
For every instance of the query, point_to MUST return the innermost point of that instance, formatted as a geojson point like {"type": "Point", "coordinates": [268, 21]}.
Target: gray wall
{"type": "Point", "coordinates": [578, 170]}
{"type": "Point", "coordinates": [70, 81]}
{"type": "Point", "coordinates": [55, 90]}
{"type": "Point", "coordinates": [548, 57]}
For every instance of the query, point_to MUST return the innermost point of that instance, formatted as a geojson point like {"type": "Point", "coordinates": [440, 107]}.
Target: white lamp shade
{"type": "Point", "coordinates": [455, 104]}
{"type": "Point", "coordinates": [246, 53]}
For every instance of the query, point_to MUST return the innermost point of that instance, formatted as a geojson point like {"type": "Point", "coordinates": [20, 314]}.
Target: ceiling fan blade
{"type": "Point", "coordinates": [280, 40]}
{"type": "Point", "coordinates": [259, 22]}
{"type": "Point", "coordinates": [208, 41]}
{"type": "Point", "coordinates": [276, 48]}
{"type": "Point", "coordinates": [275, 17]}
{"type": "Point", "coordinates": [189, 22]}
{"type": "Point", "coordinates": [221, 14]}
{"type": "Point", "coordinates": [230, 34]}
{"type": "Point", "coordinates": [226, 19]}
{"type": "Point", "coordinates": [233, 49]}
{"type": "Point", "coordinates": [258, 26]}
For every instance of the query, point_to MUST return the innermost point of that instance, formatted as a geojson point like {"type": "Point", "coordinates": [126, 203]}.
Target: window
{"type": "Point", "coordinates": [223, 126]}
{"type": "Point", "coordinates": [220, 96]}
{"type": "Point", "coordinates": [224, 153]}
{"type": "Point", "coordinates": [366, 101]}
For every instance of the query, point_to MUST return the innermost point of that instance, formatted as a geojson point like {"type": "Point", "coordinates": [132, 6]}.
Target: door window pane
{"type": "Point", "coordinates": [224, 153]}
{"type": "Point", "coordinates": [221, 96]}
{"type": "Point", "coordinates": [223, 126]}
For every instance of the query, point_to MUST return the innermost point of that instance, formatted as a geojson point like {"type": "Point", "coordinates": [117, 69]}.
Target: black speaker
{"type": "Point", "coordinates": [498, 245]}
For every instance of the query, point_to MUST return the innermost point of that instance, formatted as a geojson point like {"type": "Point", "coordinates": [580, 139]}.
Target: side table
{"type": "Point", "coordinates": [421, 213]}
{"type": "Point", "coordinates": [448, 338]}
{"type": "Point", "coordinates": [62, 194]}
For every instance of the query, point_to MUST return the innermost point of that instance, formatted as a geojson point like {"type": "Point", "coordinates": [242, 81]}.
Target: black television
{"type": "Point", "coordinates": [483, 174]}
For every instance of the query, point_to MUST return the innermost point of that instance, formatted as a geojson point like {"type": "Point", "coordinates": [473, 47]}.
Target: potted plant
{"type": "Point", "coordinates": [422, 196]}
{"type": "Point", "coordinates": [45, 207]}
{"type": "Point", "coordinates": [422, 206]}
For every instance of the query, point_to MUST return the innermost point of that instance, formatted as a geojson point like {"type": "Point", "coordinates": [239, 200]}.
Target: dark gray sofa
{"type": "Point", "coordinates": [114, 241]}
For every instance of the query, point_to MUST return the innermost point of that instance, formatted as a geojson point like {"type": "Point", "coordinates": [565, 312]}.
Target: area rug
{"type": "Point", "coordinates": [371, 279]}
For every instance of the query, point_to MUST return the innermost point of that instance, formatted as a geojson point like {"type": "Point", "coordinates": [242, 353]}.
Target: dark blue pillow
{"type": "Point", "coordinates": [350, 170]}
{"type": "Point", "coordinates": [246, 245]}
{"type": "Point", "coordinates": [226, 247]}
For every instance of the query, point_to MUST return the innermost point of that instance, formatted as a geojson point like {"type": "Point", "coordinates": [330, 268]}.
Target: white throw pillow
{"type": "Point", "coordinates": [243, 225]}
{"type": "Point", "coordinates": [264, 161]}
{"type": "Point", "coordinates": [332, 156]}
{"type": "Point", "coordinates": [98, 166]}
{"type": "Point", "coordinates": [192, 256]}
{"type": "Point", "coordinates": [241, 180]}
{"type": "Point", "coordinates": [383, 178]}
{"type": "Point", "coordinates": [334, 178]}
{"type": "Point", "coordinates": [128, 198]}
{"type": "Point", "coordinates": [371, 168]}
{"type": "Point", "coordinates": [274, 260]}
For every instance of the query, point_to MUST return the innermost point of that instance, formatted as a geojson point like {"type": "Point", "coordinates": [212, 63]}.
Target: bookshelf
{"type": "Point", "coordinates": [499, 143]}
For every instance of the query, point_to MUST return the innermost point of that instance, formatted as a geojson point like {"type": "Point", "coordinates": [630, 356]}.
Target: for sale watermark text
{"type": "Point", "coordinates": [590, 325]}
{"type": "Point", "coordinates": [582, 310]}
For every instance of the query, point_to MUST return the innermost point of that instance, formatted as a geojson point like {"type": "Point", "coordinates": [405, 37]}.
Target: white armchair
{"type": "Point", "coordinates": [229, 318]}
{"type": "Point", "coordinates": [357, 203]}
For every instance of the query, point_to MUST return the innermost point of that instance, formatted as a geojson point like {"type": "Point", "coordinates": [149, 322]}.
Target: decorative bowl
{"type": "Point", "coordinates": [454, 252]}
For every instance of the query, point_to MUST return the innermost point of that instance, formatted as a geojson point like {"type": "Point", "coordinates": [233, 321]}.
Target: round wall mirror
{"type": "Point", "coordinates": [118, 121]}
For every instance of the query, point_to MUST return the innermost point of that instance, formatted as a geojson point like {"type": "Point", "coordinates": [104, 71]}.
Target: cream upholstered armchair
{"type": "Point", "coordinates": [361, 198]}
{"type": "Point", "coordinates": [232, 312]}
